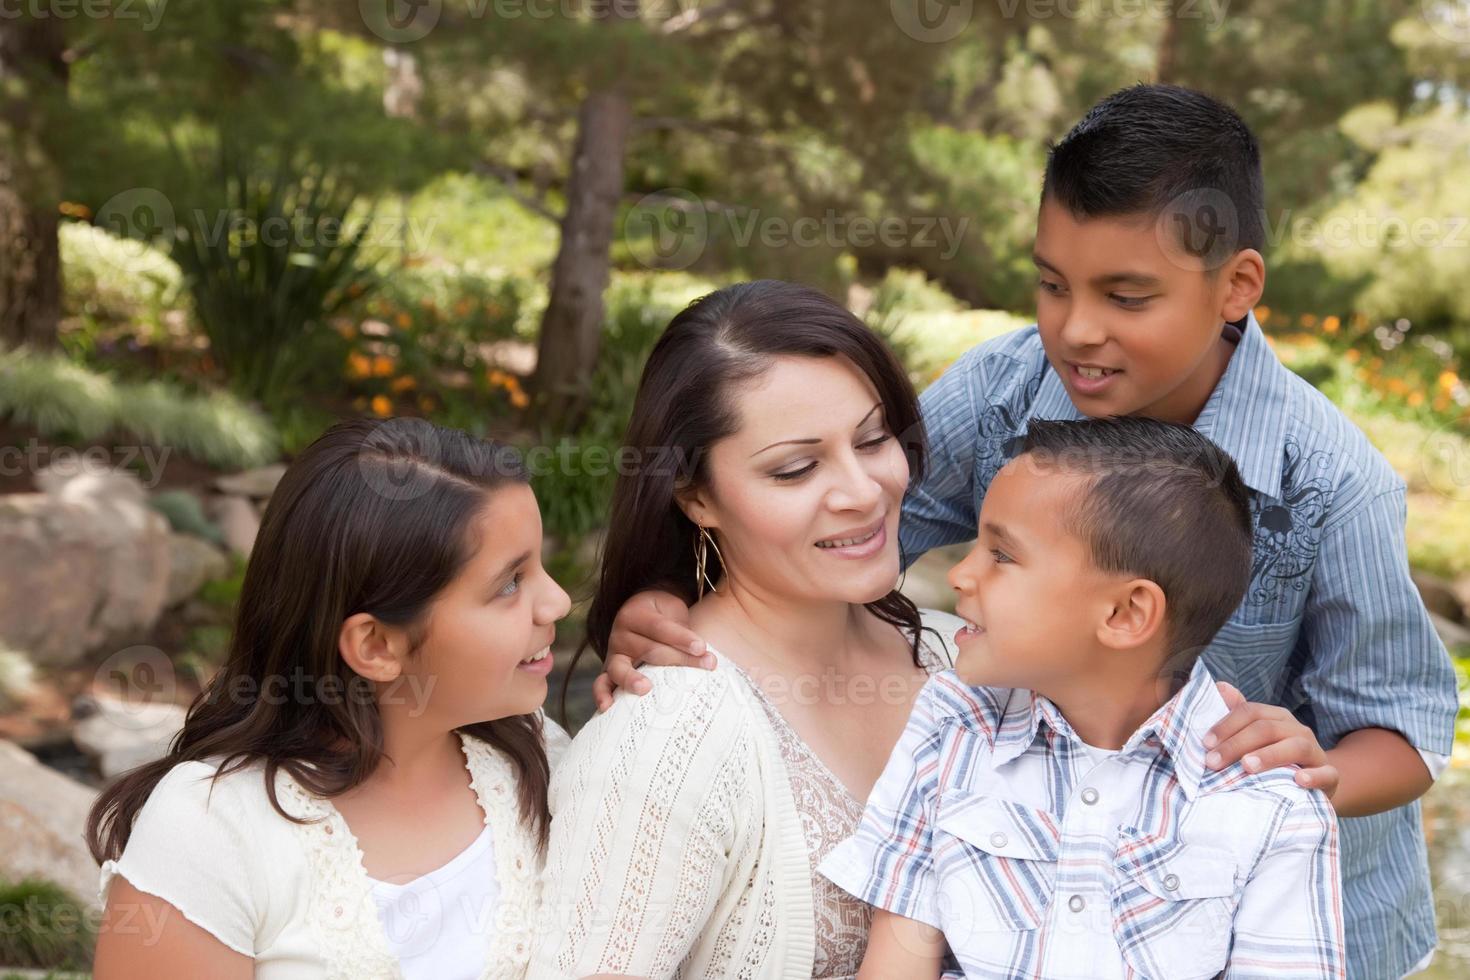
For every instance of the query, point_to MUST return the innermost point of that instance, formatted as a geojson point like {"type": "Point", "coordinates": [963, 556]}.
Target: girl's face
{"type": "Point", "coordinates": [487, 649]}
{"type": "Point", "coordinates": [804, 497]}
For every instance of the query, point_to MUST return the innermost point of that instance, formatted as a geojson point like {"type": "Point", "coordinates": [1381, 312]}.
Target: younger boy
{"type": "Point", "coordinates": [1060, 820]}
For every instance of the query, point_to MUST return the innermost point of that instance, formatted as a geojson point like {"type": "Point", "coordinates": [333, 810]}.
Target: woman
{"type": "Point", "coordinates": [779, 435]}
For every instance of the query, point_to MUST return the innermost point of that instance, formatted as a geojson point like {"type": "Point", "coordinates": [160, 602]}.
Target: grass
{"type": "Point", "coordinates": [44, 927]}
{"type": "Point", "coordinates": [64, 400]}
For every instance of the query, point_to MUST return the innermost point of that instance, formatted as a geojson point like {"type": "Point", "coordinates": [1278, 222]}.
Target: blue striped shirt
{"type": "Point", "coordinates": [1331, 627]}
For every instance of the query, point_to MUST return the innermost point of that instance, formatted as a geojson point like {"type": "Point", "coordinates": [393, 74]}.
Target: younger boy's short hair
{"type": "Point", "coordinates": [1163, 151]}
{"type": "Point", "coordinates": [1164, 503]}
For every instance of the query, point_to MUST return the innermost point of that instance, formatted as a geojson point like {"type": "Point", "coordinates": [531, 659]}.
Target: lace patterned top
{"type": "Point", "coordinates": [679, 848]}
{"type": "Point", "coordinates": [829, 815]}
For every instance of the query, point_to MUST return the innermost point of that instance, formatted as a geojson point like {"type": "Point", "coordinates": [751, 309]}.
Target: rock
{"type": "Point", "coordinates": [194, 562]}
{"type": "Point", "coordinates": [257, 484]}
{"type": "Point", "coordinates": [17, 678]}
{"type": "Point", "coordinates": [1452, 634]}
{"type": "Point", "coordinates": [122, 735]}
{"type": "Point", "coordinates": [238, 523]}
{"type": "Point", "coordinates": [86, 564]}
{"type": "Point", "coordinates": [43, 815]}
{"type": "Point", "coordinates": [185, 513]}
{"type": "Point", "coordinates": [1439, 596]}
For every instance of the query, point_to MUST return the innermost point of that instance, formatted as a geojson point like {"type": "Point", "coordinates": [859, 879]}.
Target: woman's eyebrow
{"type": "Point", "coordinates": [813, 442]}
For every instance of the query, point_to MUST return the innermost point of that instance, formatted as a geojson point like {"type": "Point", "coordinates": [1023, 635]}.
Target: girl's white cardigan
{"type": "Point", "coordinates": [676, 847]}
{"type": "Point", "coordinates": [295, 896]}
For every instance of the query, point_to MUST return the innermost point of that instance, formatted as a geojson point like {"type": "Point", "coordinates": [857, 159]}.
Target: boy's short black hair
{"type": "Point", "coordinates": [1165, 504]}
{"type": "Point", "coordinates": [1163, 151]}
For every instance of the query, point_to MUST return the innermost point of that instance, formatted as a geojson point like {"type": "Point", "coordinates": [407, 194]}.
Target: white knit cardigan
{"type": "Point", "coordinates": [296, 897]}
{"type": "Point", "coordinates": [676, 847]}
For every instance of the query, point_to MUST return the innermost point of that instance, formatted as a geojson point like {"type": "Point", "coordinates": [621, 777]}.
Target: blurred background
{"type": "Point", "coordinates": [224, 225]}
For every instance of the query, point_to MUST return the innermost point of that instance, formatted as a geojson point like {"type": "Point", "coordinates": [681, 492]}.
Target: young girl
{"type": "Point", "coordinates": [360, 791]}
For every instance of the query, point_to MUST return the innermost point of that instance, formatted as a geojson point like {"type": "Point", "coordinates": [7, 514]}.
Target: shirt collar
{"type": "Point", "coordinates": [1177, 729]}
{"type": "Point", "coordinates": [1245, 415]}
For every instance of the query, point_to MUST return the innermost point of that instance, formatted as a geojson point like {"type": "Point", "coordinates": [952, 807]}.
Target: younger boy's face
{"type": "Point", "coordinates": [1118, 294]}
{"type": "Point", "coordinates": [1029, 588]}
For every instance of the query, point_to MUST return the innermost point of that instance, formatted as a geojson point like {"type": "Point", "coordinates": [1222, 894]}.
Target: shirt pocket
{"type": "Point", "coordinates": [1173, 905]}
{"type": "Point", "coordinates": [997, 863]}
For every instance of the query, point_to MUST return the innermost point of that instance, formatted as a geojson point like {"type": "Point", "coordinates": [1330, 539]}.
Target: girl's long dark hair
{"type": "Point", "coordinates": [684, 406]}
{"type": "Point", "coordinates": [373, 517]}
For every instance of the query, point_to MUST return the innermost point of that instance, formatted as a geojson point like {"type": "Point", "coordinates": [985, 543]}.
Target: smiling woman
{"type": "Point", "coordinates": [686, 824]}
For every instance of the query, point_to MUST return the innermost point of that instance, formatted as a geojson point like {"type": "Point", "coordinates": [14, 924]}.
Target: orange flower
{"type": "Point", "coordinates": [1416, 398]}
{"type": "Point", "coordinates": [358, 365]}
{"type": "Point", "coordinates": [74, 210]}
{"type": "Point", "coordinates": [1352, 355]}
{"type": "Point", "coordinates": [1263, 313]}
{"type": "Point", "coordinates": [405, 383]}
{"type": "Point", "coordinates": [403, 320]}
{"type": "Point", "coordinates": [383, 366]}
{"type": "Point", "coordinates": [381, 405]}
{"type": "Point", "coordinates": [1308, 320]}
{"type": "Point", "coordinates": [496, 377]}
{"type": "Point", "coordinates": [1448, 380]}
{"type": "Point", "coordinates": [519, 399]}
{"type": "Point", "coordinates": [1331, 324]}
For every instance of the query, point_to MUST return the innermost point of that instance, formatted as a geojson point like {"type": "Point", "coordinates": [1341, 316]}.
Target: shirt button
{"type": "Point", "coordinates": [1076, 903]}
{"type": "Point", "coordinates": [998, 839]}
{"type": "Point", "coordinates": [1171, 882]}
{"type": "Point", "coordinates": [1089, 796]}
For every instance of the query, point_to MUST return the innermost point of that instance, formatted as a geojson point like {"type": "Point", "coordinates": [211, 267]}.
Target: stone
{"type": "Point", "coordinates": [237, 521]}
{"type": "Point", "coordinates": [257, 484]}
{"type": "Point", "coordinates": [86, 565]}
{"type": "Point", "coordinates": [121, 735]}
{"type": "Point", "coordinates": [1451, 634]}
{"type": "Point", "coordinates": [43, 815]}
{"type": "Point", "coordinates": [193, 562]}
{"type": "Point", "coordinates": [1439, 595]}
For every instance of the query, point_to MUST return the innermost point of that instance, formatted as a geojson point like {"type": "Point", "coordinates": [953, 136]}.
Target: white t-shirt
{"type": "Point", "coordinates": [436, 924]}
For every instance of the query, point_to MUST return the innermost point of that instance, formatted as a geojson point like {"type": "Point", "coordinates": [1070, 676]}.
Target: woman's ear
{"type": "Point", "coordinates": [1136, 617]}
{"type": "Point", "coordinates": [695, 504]}
{"type": "Point", "coordinates": [371, 648]}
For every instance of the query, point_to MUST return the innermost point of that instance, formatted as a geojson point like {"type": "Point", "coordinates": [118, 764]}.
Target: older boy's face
{"type": "Point", "coordinates": [1029, 588]}
{"type": "Point", "coordinates": [1131, 325]}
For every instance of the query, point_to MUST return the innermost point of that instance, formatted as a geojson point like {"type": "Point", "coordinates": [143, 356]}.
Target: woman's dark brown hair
{"type": "Point", "coordinates": [373, 517]}
{"type": "Point", "coordinates": [684, 406]}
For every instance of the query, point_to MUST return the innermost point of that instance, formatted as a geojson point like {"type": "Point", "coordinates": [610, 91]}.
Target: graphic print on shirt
{"type": "Point", "coordinates": [1288, 530]}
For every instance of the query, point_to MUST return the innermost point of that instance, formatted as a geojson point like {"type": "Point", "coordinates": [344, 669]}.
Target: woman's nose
{"type": "Point", "coordinates": [857, 489]}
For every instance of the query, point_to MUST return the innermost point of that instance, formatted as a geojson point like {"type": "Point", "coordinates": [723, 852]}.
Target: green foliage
{"type": "Point", "coordinates": [269, 266]}
{"type": "Point", "coordinates": [45, 927]}
{"type": "Point", "coordinates": [65, 400]}
{"type": "Point", "coordinates": [185, 514]}
{"type": "Point", "coordinates": [116, 280]}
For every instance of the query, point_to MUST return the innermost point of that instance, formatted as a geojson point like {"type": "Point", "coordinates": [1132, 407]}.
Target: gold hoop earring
{"type": "Point", "coordinates": [702, 543]}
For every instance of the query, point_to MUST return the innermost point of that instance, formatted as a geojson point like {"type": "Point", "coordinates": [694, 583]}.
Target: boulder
{"type": "Point", "coordinates": [43, 815]}
{"type": "Point", "coordinates": [237, 521]}
{"type": "Point", "coordinates": [193, 562]}
{"type": "Point", "coordinates": [257, 484]}
{"type": "Point", "coordinates": [86, 564]}
{"type": "Point", "coordinates": [1439, 596]}
{"type": "Point", "coordinates": [121, 735]}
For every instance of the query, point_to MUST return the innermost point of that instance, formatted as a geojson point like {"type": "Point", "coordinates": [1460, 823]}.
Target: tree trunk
{"type": "Point", "coordinates": [1167, 55]}
{"type": "Point", "coordinates": [571, 329]}
{"type": "Point", "coordinates": [31, 59]}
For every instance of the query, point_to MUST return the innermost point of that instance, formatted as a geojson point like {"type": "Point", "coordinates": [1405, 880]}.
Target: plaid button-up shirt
{"type": "Point", "coordinates": [1039, 856]}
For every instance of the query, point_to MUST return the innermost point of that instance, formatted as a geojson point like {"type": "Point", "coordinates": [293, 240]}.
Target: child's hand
{"type": "Point", "coordinates": [1264, 736]}
{"type": "Point", "coordinates": [651, 628]}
